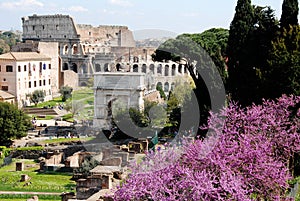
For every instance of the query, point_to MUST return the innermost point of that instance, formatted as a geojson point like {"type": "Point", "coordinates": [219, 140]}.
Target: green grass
{"type": "Point", "coordinates": [85, 95]}
{"type": "Point", "coordinates": [53, 102]}
{"type": "Point", "coordinates": [40, 182]}
{"type": "Point", "coordinates": [22, 197]}
{"type": "Point", "coordinates": [68, 117]}
{"type": "Point", "coordinates": [60, 140]}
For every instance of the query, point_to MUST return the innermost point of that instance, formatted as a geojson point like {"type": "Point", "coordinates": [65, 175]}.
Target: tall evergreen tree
{"type": "Point", "coordinates": [289, 16]}
{"type": "Point", "coordinates": [283, 76]}
{"type": "Point", "coordinates": [240, 28]}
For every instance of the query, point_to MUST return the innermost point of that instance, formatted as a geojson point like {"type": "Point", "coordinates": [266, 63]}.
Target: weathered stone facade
{"type": "Point", "coordinates": [124, 88]}
{"type": "Point", "coordinates": [81, 47]}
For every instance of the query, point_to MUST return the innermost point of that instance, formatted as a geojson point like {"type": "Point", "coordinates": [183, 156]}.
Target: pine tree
{"type": "Point", "coordinates": [289, 16]}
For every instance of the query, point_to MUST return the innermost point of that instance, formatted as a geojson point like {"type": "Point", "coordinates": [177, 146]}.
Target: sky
{"type": "Point", "coordinates": [184, 16]}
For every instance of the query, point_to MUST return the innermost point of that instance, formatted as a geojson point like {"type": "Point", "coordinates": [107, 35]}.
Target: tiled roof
{"type": "Point", "coordinates": [23, 56]}
{"type": "Point", "coordinates": [6, 95]}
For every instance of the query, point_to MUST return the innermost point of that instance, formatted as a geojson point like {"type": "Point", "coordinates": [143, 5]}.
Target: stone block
{"type": "Point", "coordinates": [24, 177]}
{"type": "Point", "coordinates": [116, 161]}
{"type": "Point", "coordinates": [19, 166]}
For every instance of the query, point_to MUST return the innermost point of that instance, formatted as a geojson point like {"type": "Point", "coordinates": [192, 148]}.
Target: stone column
{"type": "Point", "coordinates": [162, 70]}
{"type": "Point", "coordinates": [155, 70]}
{"type": "Point", "coordinates": [176, 69]}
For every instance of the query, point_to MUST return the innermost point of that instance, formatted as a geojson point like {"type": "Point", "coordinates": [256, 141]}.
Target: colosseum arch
{"type": "Point", "coordinates": [83, 84]}
{"type": "Point", "coordinates": [83, 69]}
{"type": "Point", "coordinates": [180, 68]}
{"type": "Point", "coordinates": [173, 72]}
{"type": "Point", "coordinates": [106, 67]}
{"type": "Point", "coordinates": [66, 49]}
{"type": "Point", "coordinates": [159, 69]}
{"type": "Point", "coordinates": [151, 68]}
{"type": "Point", "coordinates": [166, 70]}
{"type": "Point", "coordinates": [159, 84]}
{"type": "Point", "coordinates": [144, 68]}
{"type": "Point", "coordinates": [65, 66]}
{"type": "Point", "coordinates": [118, 66]}
{"type": "Point", "coordinates": [166, 87]}
{"type": "Point", "coordinates": [74, 67]}
{"type": "Point", "coordinates": [135, 68]}
{"type": "Point", "coordinates": [98, 67]}
{"type": "Point", "coordinates": [172, 86]}
{"type": "Point", "coordinates": [75, 49]}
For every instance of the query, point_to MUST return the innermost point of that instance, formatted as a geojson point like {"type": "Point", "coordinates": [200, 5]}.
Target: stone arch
{"type": "Point", "coordinates": [74, 67]}
{"type": "Point", "coordinates": [144, 68]}
{"type": "Point", "coordinates": [66, 49]}
{"type": "Point", "coordinates": [135, 68]}
{"type": "Point", "coordinates": [159, 69]}
{"type": "Point", "coordinates": [83, 69]}
{"type": "Point", "coordinates": [106, 67]}
{"type": "Point", "coordinates": [83, 84]}
{"type": "Point", "coordinates": [152, 68]}
{"type": "Point", "coordinates": [180, 68]}
{"type": "Point", "coordinates": [109, 108]}
{"type": "Point", "coordinates": [185, 70]}
{"type": "Point", "coordinates": [166, 70]}
{"type": "Point", "coordinates": [75, 49]}
{"type": "Point", "coordinates": [65, 66]}
{"type": "Point", "coordinates": [98, 67]}
{"type": "Point", "coordinates": [173, 72]}
{"type": "Point", "coordinates": [172, 86]}
{"type": "Point", "coordinates": [159, 84]}
{"type": "Point", "coordinates": [118, 66]}
{"type": "Point", "coordinates": [166, 87]}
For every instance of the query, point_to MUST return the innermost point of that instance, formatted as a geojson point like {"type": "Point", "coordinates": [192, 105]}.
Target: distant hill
{"type": "Point", "coordinates": [152, 37]}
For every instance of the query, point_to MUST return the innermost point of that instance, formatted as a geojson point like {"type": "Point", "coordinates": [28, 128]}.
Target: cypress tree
{"type": "Point", "coordinates": [289, 16]}
{"type": "Point", "coordinates": [240, 28]}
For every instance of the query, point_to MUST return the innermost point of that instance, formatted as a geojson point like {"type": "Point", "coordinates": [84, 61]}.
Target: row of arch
{"type": "Point", "coordinates": [156, 68]}
{"type": "Point", "coordinates": [166, 86]}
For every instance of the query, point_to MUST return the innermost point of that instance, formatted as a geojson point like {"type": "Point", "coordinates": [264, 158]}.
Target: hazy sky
{"type": "Point", "coordinates": [171, 15]}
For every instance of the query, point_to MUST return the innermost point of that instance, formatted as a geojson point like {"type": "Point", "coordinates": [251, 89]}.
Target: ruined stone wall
{"type": "Point", "coordinates": [124, 54]}
{"type": "Point", "coordinates": [49, 28]}
{"type": "Point", "coordinates": [70, 78]}
{"type": "Point", "coordinates": [119, 36]}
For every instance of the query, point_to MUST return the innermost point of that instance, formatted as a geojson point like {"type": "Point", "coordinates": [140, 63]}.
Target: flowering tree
{"type": "Point", "coordinates": [247, 157]}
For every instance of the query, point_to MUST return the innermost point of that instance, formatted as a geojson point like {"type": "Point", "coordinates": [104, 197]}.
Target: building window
{"type": "Point", "coordinates": [29, 84]}
{"type": "Point", "coordinates": [44, 82]}
{"type": "Point", "coordinates": [25, 68]}
{"type": "Point", "coordinates": [19, 68]}
{"type": "Point", "coordinates": [49, 81]}
{"type": "Point", "coordinates": [41, 66]}
{"type": "Point", "coordinates": [40, 82]}
{"type": "Point", "coordinates": [9, 69]}
{"type": "Point", "coordinates": [4, 88]}
{"type": "Point", "coordinates": [34, 84]}
{"type": "Point", "coordinates": [57, 27]}
{"type": "Point", "coordinates": [0, 68]}
{"type": "Point", "coordinates": [49, 65]}
{"type": "Point", "coordinates": [33, 28]}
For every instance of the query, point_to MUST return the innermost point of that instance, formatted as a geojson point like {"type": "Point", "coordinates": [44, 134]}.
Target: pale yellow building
{"type": "Point", "coordinates": [21, 73]}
